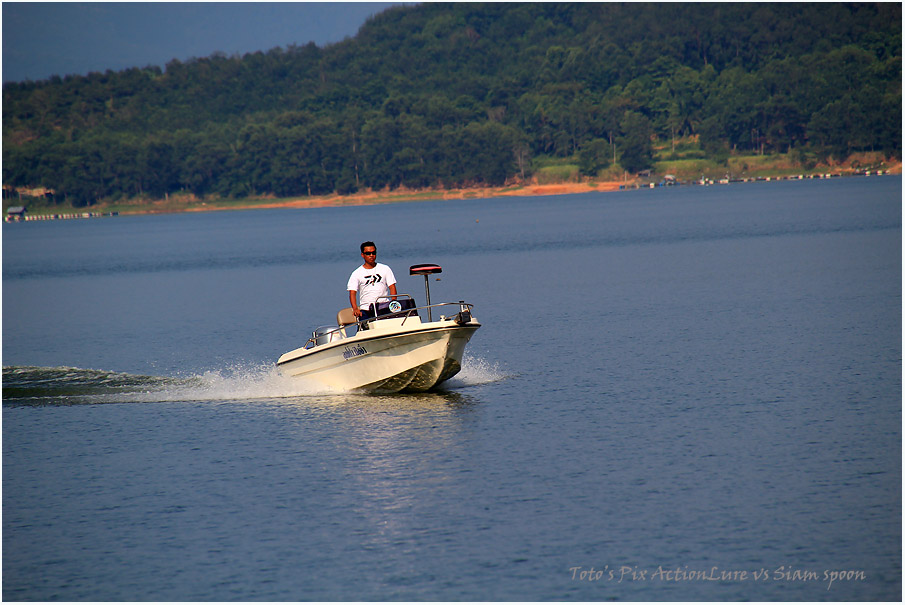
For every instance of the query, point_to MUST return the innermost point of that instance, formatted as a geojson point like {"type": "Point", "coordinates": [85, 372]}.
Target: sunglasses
{"type": "Point", "coordinates": [374, 253]}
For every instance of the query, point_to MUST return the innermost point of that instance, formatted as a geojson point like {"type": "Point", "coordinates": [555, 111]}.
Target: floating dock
{"type": "Point", "coordinates": [19, 217]}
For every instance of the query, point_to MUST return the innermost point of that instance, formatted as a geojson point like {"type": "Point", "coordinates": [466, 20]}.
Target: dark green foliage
{"type": "Point", "coordinates": [594, 156]}
{"type": "Point", "coordinates": [454, 94]}
{"type": "Point", "coordinates": [637, 152]}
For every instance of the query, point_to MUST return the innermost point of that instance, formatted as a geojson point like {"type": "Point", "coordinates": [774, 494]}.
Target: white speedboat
{"type": "Point", "coordinates": [395, 351]}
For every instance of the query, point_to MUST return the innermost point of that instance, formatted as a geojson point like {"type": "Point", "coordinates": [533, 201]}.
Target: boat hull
{"type": "Point", "coordinates": [390, 357]}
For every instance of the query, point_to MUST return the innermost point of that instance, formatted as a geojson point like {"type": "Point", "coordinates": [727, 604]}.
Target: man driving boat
{"type": "Point", "coordinates": [370, 283]}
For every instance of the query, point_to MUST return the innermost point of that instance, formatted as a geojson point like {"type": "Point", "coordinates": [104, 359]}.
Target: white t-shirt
{"type": "Point", "coordinates": [371, 284]}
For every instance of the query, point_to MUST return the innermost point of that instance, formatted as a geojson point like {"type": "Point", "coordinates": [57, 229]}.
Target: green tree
{"type": "Point", "coordinates": [594, 156]}
{"type": "Point", "coordinates": [636, 149]}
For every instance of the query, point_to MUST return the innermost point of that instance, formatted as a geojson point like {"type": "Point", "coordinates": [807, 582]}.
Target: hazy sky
{"type": "Point", "coordinates": [41, 39]}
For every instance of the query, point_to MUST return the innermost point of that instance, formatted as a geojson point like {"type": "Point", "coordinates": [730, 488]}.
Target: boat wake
{"type": "Point", "coordinates": [36, 386]}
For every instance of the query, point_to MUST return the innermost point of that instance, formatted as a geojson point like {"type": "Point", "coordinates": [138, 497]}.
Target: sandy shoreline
{"type": "Point", "coordinates": [520, 189]}
{"type": "Point", "coordinates": [177, 204]}
{"type": "Point", "coordinates": [402, 195]}
{"type": "Point", "coordinates": [187, 203]}
{"type": "Point", "coordinates": [389, 196]}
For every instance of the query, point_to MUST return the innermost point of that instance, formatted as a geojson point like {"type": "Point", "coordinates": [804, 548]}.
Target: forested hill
{"type": "Point", "coordinates": [450, 94]}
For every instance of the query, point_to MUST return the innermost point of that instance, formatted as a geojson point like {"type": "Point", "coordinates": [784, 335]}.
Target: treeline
{"type": "Point", "coordinates": [454, 94]}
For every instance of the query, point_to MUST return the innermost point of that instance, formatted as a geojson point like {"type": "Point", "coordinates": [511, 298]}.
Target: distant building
{"type": "Point", "coordinates": [15, 213]}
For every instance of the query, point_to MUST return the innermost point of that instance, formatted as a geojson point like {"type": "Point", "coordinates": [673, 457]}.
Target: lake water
{"type": "Point", "coordinates": [677, 394]}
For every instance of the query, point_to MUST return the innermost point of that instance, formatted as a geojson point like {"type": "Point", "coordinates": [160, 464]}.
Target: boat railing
{"type": "Point", "coordinates": [328, 334]}
{"type": "Point", "coordinates": [463, 306]}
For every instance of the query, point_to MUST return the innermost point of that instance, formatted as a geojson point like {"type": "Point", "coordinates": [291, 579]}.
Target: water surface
{"type": "Point", "coordinates": [696, 389]}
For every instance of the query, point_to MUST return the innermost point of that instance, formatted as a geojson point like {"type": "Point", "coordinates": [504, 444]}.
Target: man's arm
{"type": "Point", "coordinates": [353, 302]}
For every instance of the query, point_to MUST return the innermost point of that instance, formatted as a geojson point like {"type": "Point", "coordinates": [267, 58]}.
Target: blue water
{"type": "Point", "coordinates": [677, 394]}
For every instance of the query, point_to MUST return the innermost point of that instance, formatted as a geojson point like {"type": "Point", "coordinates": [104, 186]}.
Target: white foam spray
{"type": "Point", "coordinates": [476, 371]}
{"type": "Point", "coordinates": [235, 383]}
{"type": "Point", "coordinates": [264, 381]}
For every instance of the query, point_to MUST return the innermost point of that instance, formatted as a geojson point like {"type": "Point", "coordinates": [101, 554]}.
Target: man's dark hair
{"type": "Point", "coordinates": [366, 244]}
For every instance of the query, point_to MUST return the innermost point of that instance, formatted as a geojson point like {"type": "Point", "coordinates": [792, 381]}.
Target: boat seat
{"type": "Point", "coordinates": [346, 317]}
